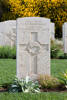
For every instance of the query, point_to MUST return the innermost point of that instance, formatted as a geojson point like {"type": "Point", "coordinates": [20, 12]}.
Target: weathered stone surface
{"type": "Point", "coordinates": [2, 41]}
{"type": "Point", "coordinates": [33, 46]}
{"type": "Point", "coordinates": [8, 33]}
{"type": "Point", "coordinates": [65, 37]}
{"type": "Point", "coordinates": [52, 31]}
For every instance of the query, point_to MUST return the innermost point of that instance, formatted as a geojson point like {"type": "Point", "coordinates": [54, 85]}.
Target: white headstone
{"type": "Point", "coordinates": [65, 37]}
{"type": "Point", "coordinates": [33, 46]}
{"type": "Point", "coordinates": [52, 31]}
{"type": "Point", "coordinates": [2, 41]}
{"type": "Point", "coordinates": [10, 32]}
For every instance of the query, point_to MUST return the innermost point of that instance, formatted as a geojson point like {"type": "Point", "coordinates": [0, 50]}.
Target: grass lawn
{"type": "Point", "coordinates": [58, 66]}
{"type": "Point", "coordinates": [29, 96]}
{"type": "Point", "coordinates": [8, 72]}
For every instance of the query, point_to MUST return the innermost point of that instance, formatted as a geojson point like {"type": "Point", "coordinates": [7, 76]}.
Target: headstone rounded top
{"type": "Point", "coordinates": [31, 19]}
{"type": "Point", "coordinates": [52, 23]}
{"type": "Point", "coordinates": [65, 23]}
{"type": "Point", "coordinates": [10, 21]}
{"type": "Point", "coordinates": [9, 25]}
{"type": "Point", "coordinates": [1, 23]}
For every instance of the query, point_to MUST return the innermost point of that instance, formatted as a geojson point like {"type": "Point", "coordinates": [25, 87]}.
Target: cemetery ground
{"type": "Point", "coordinates": [30, 96]}
{"type": "Point", "coordinates": [8, 69]}
{"type": "Point", "coordinates": [8, 72]}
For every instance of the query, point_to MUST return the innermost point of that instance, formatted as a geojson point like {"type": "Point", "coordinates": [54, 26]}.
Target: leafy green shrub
{"type": "Point", "coordinates": [48, 82]}
{"type": "Point", "coordinates": [55, 50]}
{"type": "Point", "coordinates": [63, 56]}
{"type": "Point", "coordinates": [7, 52]}
{"type": "Point", "coordinates": [4, 52]}
{"type": "Point", "coordinates": [63, 78]}
{"type": "Point", "coordinates": [24, 85]}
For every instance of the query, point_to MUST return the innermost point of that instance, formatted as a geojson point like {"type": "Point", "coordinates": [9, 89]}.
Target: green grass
{"type": "Point", "coordinates": [29, 96]}
{"type": "Point", "coordinates": [58, 66]}
{"type": "Point", "coordinates": [8, 69]}
{"type": "Point", "coordinates": [8, 72]}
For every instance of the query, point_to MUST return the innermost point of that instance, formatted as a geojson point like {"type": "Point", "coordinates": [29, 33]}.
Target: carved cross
{"type": "Point", "coordinates": [33, 48]}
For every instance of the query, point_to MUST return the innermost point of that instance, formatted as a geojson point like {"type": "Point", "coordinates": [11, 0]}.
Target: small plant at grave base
{"type": "Point", "coordinates": [63, 78]}
{"type": "Point", "coordinates": [48, 82]}
{"type": "Point", "coordinates": [24, 85]}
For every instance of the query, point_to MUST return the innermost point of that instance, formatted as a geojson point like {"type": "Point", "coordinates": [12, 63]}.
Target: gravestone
{"type": "Point", "coordinates": [10, 32]}
{"type": "Point", "coordinates": [52, 31]}
{"type": "Point", "coordinates": [65, 37]}
{"type": "Point", "coordinates": [2, 40]}
{"type": "Point", "coordinates": [33, 47]}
